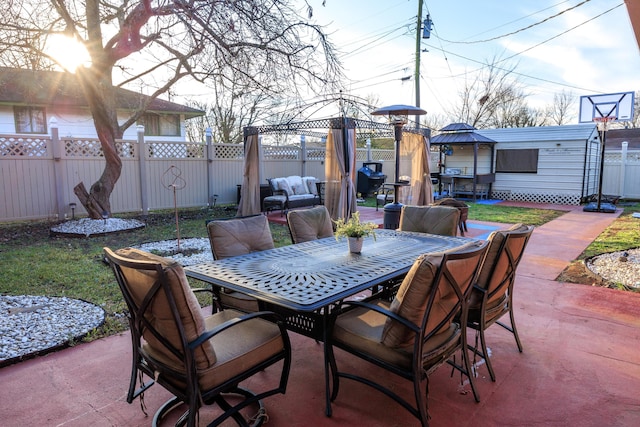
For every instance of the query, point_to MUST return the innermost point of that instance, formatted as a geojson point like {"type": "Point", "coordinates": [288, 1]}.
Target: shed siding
{"type": "Point", "coordinates": [566, 163]}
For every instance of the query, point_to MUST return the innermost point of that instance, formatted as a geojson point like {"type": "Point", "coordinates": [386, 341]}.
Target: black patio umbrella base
{"type": "Point", "coordinates": [593, 207]}
{"type": "Point", "coordinates": [391, 218]}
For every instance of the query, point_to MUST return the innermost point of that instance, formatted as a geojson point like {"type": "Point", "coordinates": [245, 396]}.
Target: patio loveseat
{"type": "Point", "coordinates": [292, 192]}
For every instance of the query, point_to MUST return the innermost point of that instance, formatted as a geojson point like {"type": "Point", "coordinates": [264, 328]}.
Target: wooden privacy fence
{"type": "Point", "coordinates": [39, 172]}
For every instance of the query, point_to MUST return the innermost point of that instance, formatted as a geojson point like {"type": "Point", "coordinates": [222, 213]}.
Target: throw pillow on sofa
{"type": "Point", "coordinates": [310, 181]}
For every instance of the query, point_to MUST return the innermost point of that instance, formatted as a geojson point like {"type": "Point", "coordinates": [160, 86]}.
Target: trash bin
{"type": "Point", "coordinates": [370, 178]}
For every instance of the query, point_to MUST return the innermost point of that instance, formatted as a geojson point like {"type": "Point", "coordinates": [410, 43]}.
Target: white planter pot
{"type": "Point", "coordinates": [355, 244]}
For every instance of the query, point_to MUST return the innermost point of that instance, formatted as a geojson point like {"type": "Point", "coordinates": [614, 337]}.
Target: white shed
{"type": "Point", "coordinates": [547, 164]}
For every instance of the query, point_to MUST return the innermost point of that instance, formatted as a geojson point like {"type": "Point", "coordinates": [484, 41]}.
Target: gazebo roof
{"type": "Point", "coordinates": [459, 133]}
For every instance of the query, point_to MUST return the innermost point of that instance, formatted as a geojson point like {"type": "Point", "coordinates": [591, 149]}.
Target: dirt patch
{"type": "Point", "coordinates": [577, 272]}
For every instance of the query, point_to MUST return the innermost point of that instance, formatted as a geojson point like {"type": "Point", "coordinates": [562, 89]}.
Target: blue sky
{"type": "Point", "coordinates": [577, 51]}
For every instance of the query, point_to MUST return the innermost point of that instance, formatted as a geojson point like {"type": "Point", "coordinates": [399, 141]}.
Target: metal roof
{"type": "Point", "coordinates": [459, 133]}
{"type": "Point", "coordinates": [457, 127]}
{"type": "Point", "coordinates": [579, 132]}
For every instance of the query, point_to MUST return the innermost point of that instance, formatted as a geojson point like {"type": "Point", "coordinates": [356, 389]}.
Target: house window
{"type": "Point", "coordinates": [517, 161]}
{"type": "Point", "coordinates": [161, 124]}
{"type": "Point", "coordinates": [30, 119]}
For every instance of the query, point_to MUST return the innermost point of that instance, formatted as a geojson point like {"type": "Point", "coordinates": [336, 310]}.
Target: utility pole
{"type": "Point", "coordinates": [416, 77]}
{"type": "Point", "coordinates": [426, 33]}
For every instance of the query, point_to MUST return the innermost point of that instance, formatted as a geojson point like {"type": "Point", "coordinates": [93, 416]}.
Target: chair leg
{"type": "Point", "coordinates": [485, 354]}
{"type": "Point", "coordinates": [422, 399]}
{"type": "Point", "coordinates": [515, 331]}
{"type": "Point", "coordinates": [467, 366]}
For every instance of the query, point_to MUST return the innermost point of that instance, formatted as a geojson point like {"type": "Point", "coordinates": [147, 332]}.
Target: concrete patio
{"type": "Point", "coordinates": [580, 365]}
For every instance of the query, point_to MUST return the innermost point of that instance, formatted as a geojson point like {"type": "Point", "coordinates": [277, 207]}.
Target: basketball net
{"type": "Point", "coordinates": [602, 122]}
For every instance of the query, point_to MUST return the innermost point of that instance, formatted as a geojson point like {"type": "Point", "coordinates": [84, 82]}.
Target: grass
{"type": "Point", "coordinates": [623, 233]}
{"type": "Point", "coordinates": [34, 263]}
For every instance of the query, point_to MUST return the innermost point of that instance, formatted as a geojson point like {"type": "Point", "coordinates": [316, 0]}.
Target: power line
{"type": "Point", "coordinates": [523, 51]}
{"type": "Point", "coordinates": [521, 29]}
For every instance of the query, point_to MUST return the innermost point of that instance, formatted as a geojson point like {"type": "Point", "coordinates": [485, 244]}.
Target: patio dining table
{"type": "Point", "coordinates": [305, 281]}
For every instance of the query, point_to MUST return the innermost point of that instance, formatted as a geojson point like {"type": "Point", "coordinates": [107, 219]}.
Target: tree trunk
{"type": "Point", "coordinates": [100, 94]}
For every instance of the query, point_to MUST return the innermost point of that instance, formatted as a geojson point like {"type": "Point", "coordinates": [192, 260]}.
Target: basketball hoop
{"type": "Point", "coordinates": [603, 121]}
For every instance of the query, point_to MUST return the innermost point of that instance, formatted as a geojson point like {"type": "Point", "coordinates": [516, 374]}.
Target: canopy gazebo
{"type": "Point", "coordinates": [462, 134]}
{"type": "Point", "coordinates": [340, 163]}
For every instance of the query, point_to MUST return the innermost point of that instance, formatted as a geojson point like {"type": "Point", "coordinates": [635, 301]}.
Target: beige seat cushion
{"type": "Point", "coordinates": [239, 236]}
{"type": "Point", "coordinates": [245, 344]}
{"type": "Point", "coordinates": [309, 224]}
{"type": "Point", "coordinates": [159, 314]}
{"type": "Point", "coordinates": [441, 220]}
{"type": "Point", "coordinates": [412, 297]}
{"type": "Point", "coordinates": [489, 277]}
{"type": "Point", "coordinates": [362, 329]}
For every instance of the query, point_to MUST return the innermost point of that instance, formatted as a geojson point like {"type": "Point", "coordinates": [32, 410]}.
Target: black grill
{"type": "Point", "coordinates": [370, 178]}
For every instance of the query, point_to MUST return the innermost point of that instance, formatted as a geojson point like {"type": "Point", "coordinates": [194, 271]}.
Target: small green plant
{"type": "Point", "coordinates": [354, 228]}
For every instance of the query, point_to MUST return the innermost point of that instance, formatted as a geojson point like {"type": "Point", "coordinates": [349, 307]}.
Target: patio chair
{"type": "Point", "coordinates": [200, 361]}
{"type": "Point", "coordinates": [415, 333]}
{"type": "Point", "coordinates": [492, 297]}
{"type": "Point", "coordinates": [461, 206]}
{"type": "Point", "coordinates": [441, 220]}
{"type": "Point", "coordinates": [309, 224]}
{"type": "Point", "coordinates": [238, 236]}
{"type": "Point", "coordinates": [385, 194]}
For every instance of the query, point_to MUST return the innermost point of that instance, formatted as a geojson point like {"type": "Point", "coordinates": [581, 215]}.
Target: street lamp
{"type": "Point", "coordinates": [398, 117]}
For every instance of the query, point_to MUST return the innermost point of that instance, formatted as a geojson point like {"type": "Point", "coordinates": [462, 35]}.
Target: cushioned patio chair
{"type": "Point", "coordinates": [462, 207]}
{"type": "Point", "coordinates": [309, 224]}
{"type": "Point", "coordinates": [414, 334]}
{"type": "Point", "coordinates": [493, 295]}
{"type": "Point", "coordinates": [238, 236]}
{"type": "Point", "coordinates": [200, 361]}
{"type": "Point", "coordinates": [441, 220]}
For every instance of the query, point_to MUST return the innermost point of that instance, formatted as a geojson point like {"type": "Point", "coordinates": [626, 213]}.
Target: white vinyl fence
{"type": "Point", "coordinates": [39, 173]}
{"type": "Point", "coordinates": [621, 173]}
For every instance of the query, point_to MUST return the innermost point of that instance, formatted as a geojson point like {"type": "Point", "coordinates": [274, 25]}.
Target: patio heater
{"type": "Point", "coordinates": [398, 117]}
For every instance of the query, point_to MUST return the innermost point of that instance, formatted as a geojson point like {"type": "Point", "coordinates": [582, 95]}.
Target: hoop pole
{"type": "Point", "coordinates": [603, 138]}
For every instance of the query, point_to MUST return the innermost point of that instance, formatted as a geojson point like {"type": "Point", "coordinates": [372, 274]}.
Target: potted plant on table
{"type": "Point", "coordinates": [355, 231]}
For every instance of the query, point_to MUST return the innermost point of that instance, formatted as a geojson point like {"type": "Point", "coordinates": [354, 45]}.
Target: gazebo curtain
{"type": "Point", "coordinates": [340, 162]}
{"type": "Point", "coordinates": [414, 167]}
{"type": "Point", "coordinates": [250, 194]}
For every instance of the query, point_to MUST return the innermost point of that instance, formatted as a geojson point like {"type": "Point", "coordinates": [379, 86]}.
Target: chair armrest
{"type": "Point", "coordinates": [415, 328]}
{"type": "Point", "coordinates": [281, 193]}
{"type": "Point", "coordinates": [268, 315]}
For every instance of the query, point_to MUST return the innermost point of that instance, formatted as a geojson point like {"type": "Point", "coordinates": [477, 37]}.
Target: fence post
{"type": "Point", "coordinates": [142, 163]}
{"type": "Point", "coordinates": [211, 198]}
{"type": "Point", "coordinates": [303, 151]}
{"type": "Point", "coordinates": [623, 166]}
{"type": "Point", "coordinates": [58, 174]}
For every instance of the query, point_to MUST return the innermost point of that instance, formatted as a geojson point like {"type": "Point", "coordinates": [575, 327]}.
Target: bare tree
{"type": "Point", "coordinates": [493, 98]}
{"type": "Point", "coordinates": [563, 109]}
{"type": "Point", "coordinates": [233, 107]}
{"type": "Point", "coordinates": [266, 44]}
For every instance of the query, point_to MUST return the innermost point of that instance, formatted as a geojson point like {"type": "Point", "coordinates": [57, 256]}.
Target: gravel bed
{"type": "Point", "coordinates": [618, 267]}
{"type": "Point", "coordinates": [31, 324]}
{"type": "Point", "coordinates": [197, 250]}
{"type": "Point", "coordinates": [87, 227]}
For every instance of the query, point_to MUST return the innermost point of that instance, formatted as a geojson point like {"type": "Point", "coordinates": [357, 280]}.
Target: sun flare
{"type": "Point", "coordinates": [67, 52]}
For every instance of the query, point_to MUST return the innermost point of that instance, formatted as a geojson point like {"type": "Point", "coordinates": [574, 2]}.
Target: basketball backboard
{"type": "Point", "coordinates": [618, 107]}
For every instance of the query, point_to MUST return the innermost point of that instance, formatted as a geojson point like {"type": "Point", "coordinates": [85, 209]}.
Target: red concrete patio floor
{"type": "Point", "coordinates": [580, 365]}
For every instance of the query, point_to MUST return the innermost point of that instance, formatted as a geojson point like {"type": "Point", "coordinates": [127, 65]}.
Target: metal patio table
{"type": "Point", "coordinates": [303, 282]}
